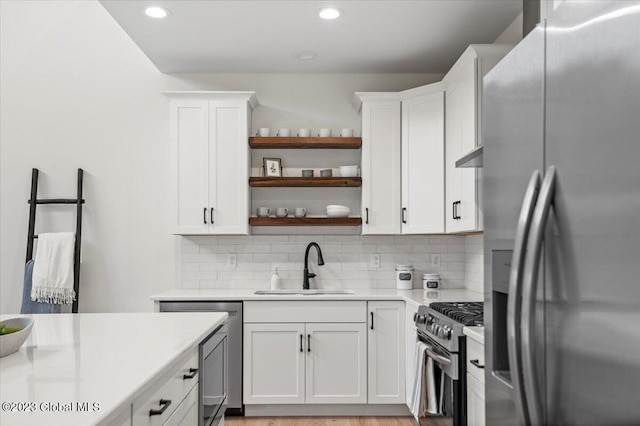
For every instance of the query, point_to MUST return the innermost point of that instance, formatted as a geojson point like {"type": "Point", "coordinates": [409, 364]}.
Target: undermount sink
{"type": "Point", "coordinates": [318, 292]}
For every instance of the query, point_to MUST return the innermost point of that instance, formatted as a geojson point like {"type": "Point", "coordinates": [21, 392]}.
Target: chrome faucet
{"type": "Point", "coordinates": [307, 275]}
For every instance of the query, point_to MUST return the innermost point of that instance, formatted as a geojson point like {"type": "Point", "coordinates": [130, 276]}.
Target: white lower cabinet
{"type": "Point", "coordinates": [274, 363]}
{"type": "Point", "coordinates": [475, 402]}
{"type": "Point", "coordinates": [295, 363]}
{"type": "Point", "coordinates": [336, 364]}
{"type": "Point", "coordinates": [157, 405]}
{"type": "Point", "coordinates": [410, 351]}
{"type": "Point", "coordinates": [186, 413]}
{"type": "Point", "coordinates": [305, 352]}
{"type": "Point", "coordinates": [386, 352]}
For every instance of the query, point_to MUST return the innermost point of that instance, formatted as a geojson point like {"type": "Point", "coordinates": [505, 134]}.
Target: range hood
{"type": "Point", "coordinates": [472, 159]}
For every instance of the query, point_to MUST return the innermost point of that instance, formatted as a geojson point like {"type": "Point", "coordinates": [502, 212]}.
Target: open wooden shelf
{"type": "Point", "coordinates": [304, 143]}
{"type": "Point", "coordinates": [305, 221]}
{"type": "Point", "coordinates": [304, 182]}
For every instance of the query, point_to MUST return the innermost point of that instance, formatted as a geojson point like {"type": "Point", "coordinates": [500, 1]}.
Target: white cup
{"type": "Point", "coordinates": [300, 212]}
{"type": "Point", "coordinates": [324, 133]}
{"type": "Point", "coordinates": [284, 133]}
{"type": "Point", "coordinates": [304, 133]}
{"type": "Point", "coordinates": [263, 211]}
{"type": "Point", "coordinates": [346, 133]}
{"type": "Point", "coordinates": [282, 212]}
{"type": "Point", "coordinates": [263, 132]}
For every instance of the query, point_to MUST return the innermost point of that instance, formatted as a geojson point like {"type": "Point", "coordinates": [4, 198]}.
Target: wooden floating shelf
{"type": "Point", "coordinates": [304, 143]}
{"type": "Point", "coordinates": [332, 182]}
{"type": "Point", "coordinates": [305, 221]}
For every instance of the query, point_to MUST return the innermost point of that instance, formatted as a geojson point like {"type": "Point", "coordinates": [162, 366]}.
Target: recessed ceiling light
{"type": "Point", "coordinates": [156, 12]}
{"type": "Point", "coordinates": [329, 13]}
{"type": "Point", "coordinates": [307, 55]}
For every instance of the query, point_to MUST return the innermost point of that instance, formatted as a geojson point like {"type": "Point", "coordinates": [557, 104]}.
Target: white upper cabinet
{"type": "Point", "coordinates": [423, 162]}
{"type": "Point", "coordinates": [210, 162]}
{"type": "Point", "coordinates": [463, 98]}
{"type": "Point", "coordinates": [380, 167]}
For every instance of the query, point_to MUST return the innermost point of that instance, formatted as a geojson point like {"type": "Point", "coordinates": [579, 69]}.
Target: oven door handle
{"type": "Point", "coordinates": [439, 358]}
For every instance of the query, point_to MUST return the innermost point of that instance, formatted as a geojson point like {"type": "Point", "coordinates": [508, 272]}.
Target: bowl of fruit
{"type": "Point", "coordinates": [13, 334]}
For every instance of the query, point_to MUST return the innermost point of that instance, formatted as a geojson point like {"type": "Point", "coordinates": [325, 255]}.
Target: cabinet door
{"type": "Point", "coordinates": [186, 413]}
{"type": "Point", "coordinates": [274, 363]}
{"type": "Point", "coordinates": [228, 167]}
{"type": "Point", "coordinates": [189, 149]}
{"type": "Point", "coordinates": [475, 402]}
{"type": "Point", "coordinates": [453, 151]}
{"type": "Point", "coordinates": [411, 341]}
{"type": "Point", "coordinates": [423, 165]}
{"type": "Point", "coordinates": [336, 364]}
{"type": "Point", "coordinates": [386, 353]}
{"type": "Point", "coordinates": [381, 167]}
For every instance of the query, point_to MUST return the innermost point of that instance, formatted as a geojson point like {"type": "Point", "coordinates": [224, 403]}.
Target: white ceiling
{"type": "Point", "coordinates": [263, 36]}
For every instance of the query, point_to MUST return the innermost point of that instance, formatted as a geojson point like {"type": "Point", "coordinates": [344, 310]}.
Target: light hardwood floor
{"type": "Point", "coordinates": [330, 421]}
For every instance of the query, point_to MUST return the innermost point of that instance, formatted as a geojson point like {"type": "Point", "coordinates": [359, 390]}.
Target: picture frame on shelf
{"type": "Point", "coordinates": [272, 167]}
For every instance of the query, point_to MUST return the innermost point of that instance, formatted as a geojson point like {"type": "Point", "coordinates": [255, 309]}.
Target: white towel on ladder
{"type": "Point", "coordinates": [53, 269]}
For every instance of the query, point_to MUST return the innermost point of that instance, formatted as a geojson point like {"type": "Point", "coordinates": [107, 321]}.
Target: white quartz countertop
{"type": "Point", "coordinates": [475, 333]}
{"type": "Point", "coordinates": [419, 297]}
{"type": "Point", "coordinates": [108, 359]}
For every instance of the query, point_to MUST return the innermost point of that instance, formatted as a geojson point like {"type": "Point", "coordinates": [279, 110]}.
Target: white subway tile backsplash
{"type": "Point", "coordinates": [474, 263]}
{"type": "Point", "coordinates": [347, 260]}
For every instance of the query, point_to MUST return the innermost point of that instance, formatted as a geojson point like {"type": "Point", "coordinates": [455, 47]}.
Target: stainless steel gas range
{"type": "Point", "coordinates": [440, 326]}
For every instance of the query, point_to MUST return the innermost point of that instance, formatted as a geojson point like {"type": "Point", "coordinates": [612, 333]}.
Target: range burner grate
{"type": "Point", "coordinates": [466, 313]}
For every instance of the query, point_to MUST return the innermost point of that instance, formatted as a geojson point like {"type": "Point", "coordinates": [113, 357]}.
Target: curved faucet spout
{"type": "Point", "coordinates": [307, 275]}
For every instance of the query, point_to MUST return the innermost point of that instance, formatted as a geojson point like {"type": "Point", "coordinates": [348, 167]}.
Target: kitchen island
{"type": "Point", "coordinates": [97, 369]}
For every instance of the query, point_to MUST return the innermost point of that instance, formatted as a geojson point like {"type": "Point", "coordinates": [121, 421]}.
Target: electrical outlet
{"type": "Point", "coordinates": [375, 261]}
{"type": "Point", "coordinates": [435, 260]}
{"type": "Point", "coordinates": [232, 260]}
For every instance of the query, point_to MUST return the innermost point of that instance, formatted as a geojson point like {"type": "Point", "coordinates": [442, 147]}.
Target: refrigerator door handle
{"type": "Point", "coordinates": [515, 292]}
{"type": "Point", "coordinates": [529, 290]}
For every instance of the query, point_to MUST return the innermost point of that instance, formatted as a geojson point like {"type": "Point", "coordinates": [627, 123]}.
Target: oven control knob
{"type": "Point", "coordinates": [415, 317]}
{"type": "Point", "coordinates": [420, 319]}
{"type": "Point", "coordinates": [447, 333]}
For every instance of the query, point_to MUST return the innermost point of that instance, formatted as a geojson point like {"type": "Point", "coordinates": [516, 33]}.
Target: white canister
{"type": "Point", "coordinates": [431, 281]}
{"type": "Point", "coordinates": [404, 277]}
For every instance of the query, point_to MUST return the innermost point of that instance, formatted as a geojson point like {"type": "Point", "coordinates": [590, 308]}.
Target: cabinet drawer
{"type": "Point", "coordinates": [171, 386]}
{"type": "Point", "coordinates": [475, 352]}
{"type": "Point", "coordinates": [305, 311]}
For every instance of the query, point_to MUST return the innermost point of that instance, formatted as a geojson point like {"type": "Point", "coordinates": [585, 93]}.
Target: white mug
{"type": "Point", "coordinates": [263, 211]}
{"type": "Point", "coordinates": [263, 132]}
{"type": "Point", "coordinates": [346, 133]}
{"type": "Point", "coordinates": [284, 132]}
{"type": "Point", "coordinates": [300, 212]}
{"type": "Point", "coordinates": [282, 212]}
{"type": "Point", "coordinates": [324, 133]}
{"type": "Point", "coordinates": [304, 133]}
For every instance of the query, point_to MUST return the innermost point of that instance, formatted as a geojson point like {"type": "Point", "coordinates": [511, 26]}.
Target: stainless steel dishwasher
{"type": "Point", "coordinates": [235, 407]}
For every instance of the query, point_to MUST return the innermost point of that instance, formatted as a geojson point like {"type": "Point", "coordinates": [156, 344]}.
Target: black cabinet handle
{"type": "Point", "coordinates": [372, 320]}
{"type": "Point", "coordinates": [453, 210]}
{"type": "Point", "coordinates": [164, 404]}
{"type": "Point", "coordinates": [308, 343]}
{"type": "Point", "coordinates": [366, 210]}
{"type": "Point", "coordinates": [204, 215]}
{"type": "Point", "coordinates": [301, 337]}
{"type": "Point", "coordinates": [211, 215]}
{"type": "Point", "coordinates": [404, 211]}
{"type": "Point", "coordinates": [191, 375]}
{"type": "Point", "coordinates": [476, 362]}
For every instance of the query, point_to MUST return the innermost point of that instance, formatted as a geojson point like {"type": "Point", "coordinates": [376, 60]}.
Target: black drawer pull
{"type": "Point", "coordinates": [308, 343]}
{"type": "Point", "coordinates": [476, 362]}
{"type": "Point", "coordinates": [301, 337]}
{"type": "Point", "coordinates": [372, 320]}
{"type": "Point", "coordinates": [191, 375]}
{"type": "Point", "coordinates": [164, 404]}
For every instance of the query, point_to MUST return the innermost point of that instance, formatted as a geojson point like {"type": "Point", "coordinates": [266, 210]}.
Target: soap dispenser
{"type": "Point", "coordinates": [276, 281]}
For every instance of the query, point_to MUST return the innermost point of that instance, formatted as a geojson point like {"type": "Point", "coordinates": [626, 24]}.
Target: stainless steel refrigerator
{"type": "Point", "coordinates": [561, 135]}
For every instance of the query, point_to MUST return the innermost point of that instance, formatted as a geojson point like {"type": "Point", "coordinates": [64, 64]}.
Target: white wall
{"type": "Point", "coordinates": [77, 92]}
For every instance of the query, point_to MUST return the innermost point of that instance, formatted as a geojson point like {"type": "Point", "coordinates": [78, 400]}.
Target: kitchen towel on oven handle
{"type": "Point", "coordinates": [424, 398]}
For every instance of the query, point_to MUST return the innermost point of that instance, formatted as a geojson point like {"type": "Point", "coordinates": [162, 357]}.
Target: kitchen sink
{"type": "Point", "coordinates": [314, 292]}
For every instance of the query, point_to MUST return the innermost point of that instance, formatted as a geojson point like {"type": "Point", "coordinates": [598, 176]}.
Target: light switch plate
{"type": "Point", "coordinates": [375, 261]}
{"type": "Point", "coordinates": [232, 260]}
{"type": "Point", "coordinates": [435, 260]}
